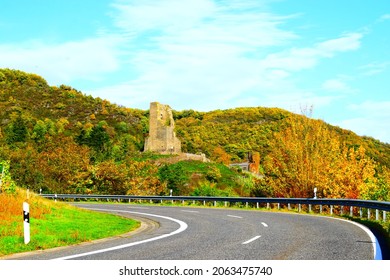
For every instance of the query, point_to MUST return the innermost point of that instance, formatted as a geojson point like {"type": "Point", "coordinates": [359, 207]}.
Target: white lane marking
{"type": "Point", "coordinates": [232, 216]}
{"type": "Point", "coordinates": [375, 243]}
{"type": "Point", "coordinates": [183, 227]}
{"type": "Point", "coordinates": [190, 211]}
{"type": "Point", "coordinates": [264, 224]}
{"type": "Point", "coordinates": [251, 240]}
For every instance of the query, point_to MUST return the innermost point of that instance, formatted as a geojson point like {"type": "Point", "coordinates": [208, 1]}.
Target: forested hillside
{"type": "Point", "coordinates": [60, 140]}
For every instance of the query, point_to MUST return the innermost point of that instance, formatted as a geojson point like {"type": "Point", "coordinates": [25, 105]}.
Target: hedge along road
{"type": "Point", "coordinates": [172, 233]}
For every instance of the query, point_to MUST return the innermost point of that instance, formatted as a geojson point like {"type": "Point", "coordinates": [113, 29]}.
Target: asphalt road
{"type": "Point", "coordinates": [184, 233]}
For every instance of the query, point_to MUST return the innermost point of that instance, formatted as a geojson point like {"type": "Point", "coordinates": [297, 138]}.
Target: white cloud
{"type": "Point", "coordinates": [200, 22]}
{"type": "Point", "coordinates": [297, 59]}
{"type": "Point", "coordinates": [348, 42]}
{"type": "Point", "coordinates": [62, 63]}
{"type": "Point", "coordinates": [337, 85]}
{"type": "Point", "coordinates": [374, 68]}
{"type": "Point", "coordinates": [384, 17]}
{"type": "Point", "coordinates": [213, 55]}
{"type": "Point", "coordinates": [195, 52]}
{"type": "Point", "coordinates": [142, 15]}
{"type": "Point", "coordinates": [373, 108]}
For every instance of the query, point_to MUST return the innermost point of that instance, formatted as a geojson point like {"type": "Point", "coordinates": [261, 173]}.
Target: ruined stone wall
{"type": "Point", "coordinates": [162, 137]}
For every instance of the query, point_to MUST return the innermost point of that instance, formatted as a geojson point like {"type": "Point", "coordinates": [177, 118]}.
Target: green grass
{"type": "Point", "coordinates": [64, 226]}
{"type": "Point", "coordinates": [227, 176]}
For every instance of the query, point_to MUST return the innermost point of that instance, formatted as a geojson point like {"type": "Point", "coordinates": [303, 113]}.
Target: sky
{"type": "Point", "coordinates": [332, 55]}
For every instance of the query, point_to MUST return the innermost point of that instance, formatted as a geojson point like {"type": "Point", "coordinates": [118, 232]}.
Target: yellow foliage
{"type": "Point", "coordinates": [307, 155]}
{"type": "Point", "coordinates": [11, 207]}
{"type": "Point", "coordinates": [221, 156]}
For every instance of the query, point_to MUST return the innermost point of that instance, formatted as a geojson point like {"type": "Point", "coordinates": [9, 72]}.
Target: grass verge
{"type": "Point", "coordinates": [53, 224]}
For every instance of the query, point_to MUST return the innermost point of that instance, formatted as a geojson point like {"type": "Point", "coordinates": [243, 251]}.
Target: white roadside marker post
{"type": "Point", "coordinates": [26, 222]}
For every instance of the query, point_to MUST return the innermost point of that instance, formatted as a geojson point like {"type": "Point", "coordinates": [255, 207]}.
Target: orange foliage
{"type": "Point", "coordinates": [307, 155]}
{"type": "Point", "coordinates": [11, 206]}
{"type": "Point", "coordinates": [221, 156]}
{"type": "Point", "coordinates": [255, 165]}
{"type": "Point", "coordinates": [61, 164]}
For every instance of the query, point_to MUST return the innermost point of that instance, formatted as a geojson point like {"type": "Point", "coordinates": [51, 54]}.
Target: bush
{"type": "Point", "coordinates": [207, 188]}
{"type": "Point", "coordinates": [7, 185]}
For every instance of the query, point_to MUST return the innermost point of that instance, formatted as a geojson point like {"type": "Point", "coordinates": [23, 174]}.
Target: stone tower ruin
{"type": "Point", "coordinates": [162, 137]}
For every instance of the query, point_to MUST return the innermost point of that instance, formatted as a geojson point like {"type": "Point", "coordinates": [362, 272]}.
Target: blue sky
{"type": "Point", "coordinates": [204, 55]}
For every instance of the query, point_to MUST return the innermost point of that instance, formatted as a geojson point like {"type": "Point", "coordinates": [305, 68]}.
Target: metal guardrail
{"type": "Point", "coordinates": [383, 206]}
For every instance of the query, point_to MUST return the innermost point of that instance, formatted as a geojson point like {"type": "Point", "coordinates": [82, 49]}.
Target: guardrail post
{"type": "Point", "coordinates": [331, 210]}
{"type": "Point", "coordinates": [225, 203]}
{"type": "Point", "coordinates": [341, 210]}
{"type": "Point", "coordinates": [278, 206]}
{"type": "Point", "coordinates": [289, 206]}
{"type": "Point", "coordinates": [299, 207]}
{"type": "Point", "coordinates": [215, 203]}
{"type": "Point", "coordinates": [267, 205]}
{"type": "Point", "coordinates": [361, 212]}
{"type": "Point", "coordinates": [309, 208]}
{"type": "Point", "coordinates": [351, 211]}
{"type": "Point", "coordinates": [257, 205]}
{"type": "Point", "coordinates": [368, 213]}
{"type": "Point", "coordinates": [377, 215]}
{"type": "Point", "coordinates": [321, 209]}
{"type": "Point", "coordinates": [384, 216]}
{"type": "Point", "coordinates": [204, 202]}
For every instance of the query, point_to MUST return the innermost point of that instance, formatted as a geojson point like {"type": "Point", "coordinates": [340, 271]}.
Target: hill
{"type": "Point", "coordinates": [241, 130]}
{"type": "Point", "coordinates": [61, 140]}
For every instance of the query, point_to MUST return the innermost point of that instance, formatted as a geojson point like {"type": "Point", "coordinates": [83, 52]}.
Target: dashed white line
{"type": "Point", "coordinates": [190, 211]}
{"type": "Point", "coordinates": [232, 216]}
{"type": "Point", "coordinates": [251, 240]}
{"type": "Point", "coordinates": [264, 224]}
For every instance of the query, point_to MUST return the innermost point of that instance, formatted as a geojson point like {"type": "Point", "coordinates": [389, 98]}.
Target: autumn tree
{"type": "Point", "coordinates": [109, 177]}
{"type": "Point", "coordinates": [97, 138]}
{"type": "Point", "coordinates": [174, 176]}
{"type": "Point", "coordinates": [144, 179]}
{"type": "Point", "coordinates": [62, 164]}
{"type": "Point", "coordinates": [221, 156]}
{"type": "Point", "coordinates": [380, 190]}
{"type": "Point", "coordinates": [17, 130]}
{"type": "Point", "coordinates": [307, 155]}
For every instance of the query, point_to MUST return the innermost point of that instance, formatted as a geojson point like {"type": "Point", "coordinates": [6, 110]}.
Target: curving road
{"type": "Point", "coordinates": [184, 233]}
